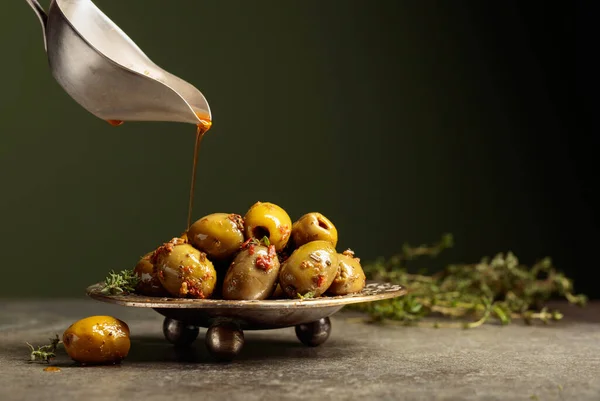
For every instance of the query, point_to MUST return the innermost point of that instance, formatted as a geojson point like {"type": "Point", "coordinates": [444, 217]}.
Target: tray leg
{"type": "Point", "coordinates": [179, 333]}
{"type": "Point", "coordinates": [315, 333]}
{"type": "Point", "coordinates": [224, 340]}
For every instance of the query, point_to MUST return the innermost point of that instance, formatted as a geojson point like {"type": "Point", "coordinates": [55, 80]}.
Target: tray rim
{"type": "Point", "coordinates": [141, 301]}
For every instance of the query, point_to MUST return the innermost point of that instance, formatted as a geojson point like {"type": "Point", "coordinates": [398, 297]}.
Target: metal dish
{"type": "Point", "coordinates": [226, 320]}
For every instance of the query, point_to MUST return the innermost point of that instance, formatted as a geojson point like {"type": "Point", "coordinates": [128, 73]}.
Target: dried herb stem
{"type": "Point", "coordinates": [498, 288]}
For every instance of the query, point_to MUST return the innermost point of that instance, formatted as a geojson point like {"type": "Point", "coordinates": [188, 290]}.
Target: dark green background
{"type": "Point", "coordinates": [399, 120]}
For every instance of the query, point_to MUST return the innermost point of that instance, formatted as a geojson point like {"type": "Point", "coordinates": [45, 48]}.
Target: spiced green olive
{"type": "Point", "coordinates": [266, 219]}
{"type": "Point", "coordinates": [97, 340]}
{"type": "Point", "coordinates": [219, 235]}
{"type": "Point", "coordinates": [183, 270]}
{"type": "Point", "coordinates": [310, 269]}
{"type": "Point", "coordinates": [313, 227]}
{"type": "Point", "coordinates": [350, 277]}
{"type": "Point", "coordinates": [252, 274]}
{"type": "Point", "coordinates": [149, 283]}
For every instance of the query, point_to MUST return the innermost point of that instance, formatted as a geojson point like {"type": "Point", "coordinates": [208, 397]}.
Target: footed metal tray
{"type": "Point", "coordinates": [226, 319]}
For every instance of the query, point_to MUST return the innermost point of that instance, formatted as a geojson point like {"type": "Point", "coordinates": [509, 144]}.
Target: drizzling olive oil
{"type": "Point", "coordinates": [201, 129]}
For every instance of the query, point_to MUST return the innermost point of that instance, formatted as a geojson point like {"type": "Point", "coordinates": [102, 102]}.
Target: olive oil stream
{"type": "Point", "coordinates": [202, 128]}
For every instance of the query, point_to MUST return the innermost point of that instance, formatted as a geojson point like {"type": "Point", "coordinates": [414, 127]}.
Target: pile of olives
{"type": "Point", "coordinates": [259, 256]}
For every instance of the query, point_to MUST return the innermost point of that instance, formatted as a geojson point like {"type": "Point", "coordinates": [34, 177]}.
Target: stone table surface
{"type": "Point", "coordinates": [360, 361]}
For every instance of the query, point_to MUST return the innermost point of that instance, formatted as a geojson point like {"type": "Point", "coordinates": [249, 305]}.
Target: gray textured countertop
{"type": "Point", "coordinates": [359, 361]}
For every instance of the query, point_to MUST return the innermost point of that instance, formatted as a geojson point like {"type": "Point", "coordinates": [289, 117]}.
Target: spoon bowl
{"type": "Point", "coordinates": [104, 71]}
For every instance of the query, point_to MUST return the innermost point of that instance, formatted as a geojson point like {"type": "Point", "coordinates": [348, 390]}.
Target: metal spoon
{"type": "Point", "coordinates": [100, 67]}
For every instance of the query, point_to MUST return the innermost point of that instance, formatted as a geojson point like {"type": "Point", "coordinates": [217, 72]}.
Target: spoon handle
{"type": "Point", "coordinates": [42, 16]}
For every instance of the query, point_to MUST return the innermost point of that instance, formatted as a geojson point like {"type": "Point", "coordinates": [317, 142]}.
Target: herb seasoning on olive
{"type": "Point", "coordinates": [252, 274]}
{"type": "Point", "coordinates": [184, 271]}
{"type": "Point", "coordinates": [219, 235]}
{"type": "Point", "coordinates": [309, 269]}
{"type": "Point", "coordinates": [350, 277]}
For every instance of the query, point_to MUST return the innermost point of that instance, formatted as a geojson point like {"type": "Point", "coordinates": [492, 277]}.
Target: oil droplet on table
{"type": "Point", "coordinates": [52, 369]}
{"type": "Point", "coordinates": [115, 123]}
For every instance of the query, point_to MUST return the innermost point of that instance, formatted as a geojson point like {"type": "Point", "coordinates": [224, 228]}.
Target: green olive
{"type": "Point", "coordinates": [350, 277]}
{"type": "Point", "coordinates": [219, 235]}
{"type": "Point", "coordinates": [183, 270]}
{"type": "Point", "coordinates": [149, 283]}
{"type": "Point", "coordinates": [252, 274]}
{"type": "Point", "coordinates": [309, 269]}
{"type": "Point", "coordinates": [266, 219]}
{"type": "Point", "coordinates": [314, 227]}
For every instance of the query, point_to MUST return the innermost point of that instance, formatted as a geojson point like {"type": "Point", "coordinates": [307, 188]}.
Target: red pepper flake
{"type": "Point", "coordinates": [196, 293]}
{"type": "Point", "coordinates": [245, 244]}
{"type": "Point", "coordinates": [320, 280]}
{"type": "Point", "coordinates": [192, 290]}
{"type": "Point", "coordinates": [348, 252]}
{"type": "Point", "coordinates": [251, 249]}
{"type": "Point", "coordinates": [188, 269]}
{"type": "Point", "coordinates": [263, 262]}
{"type": "Point", "coordinates": [165, 249]}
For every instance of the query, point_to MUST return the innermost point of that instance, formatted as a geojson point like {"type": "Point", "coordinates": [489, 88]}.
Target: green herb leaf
{"type": "Point", "coordinates": [499, 288]}
{"type": "Point", "coordinates": [119, 283]}
{"type": "Point", "coordinates": [265, 241]}
{"type": "Point", "coordinates": [309, 294]}
{"type": "Point", "coordinates": [44, 353]}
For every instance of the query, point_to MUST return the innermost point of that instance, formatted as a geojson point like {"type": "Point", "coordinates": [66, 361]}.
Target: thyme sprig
{"type": "Point", "coordinates": [119, 283]}
{"type": "Point", "coordinates": [308, 295]}
{"type": "Point", "coordinates": [46, 352]}
{"type": "Point", "coordinates": [494, 289]}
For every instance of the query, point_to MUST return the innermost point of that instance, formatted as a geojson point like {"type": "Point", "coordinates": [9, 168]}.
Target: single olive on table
{"type": "Point", "coordinates": [97, 340]}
